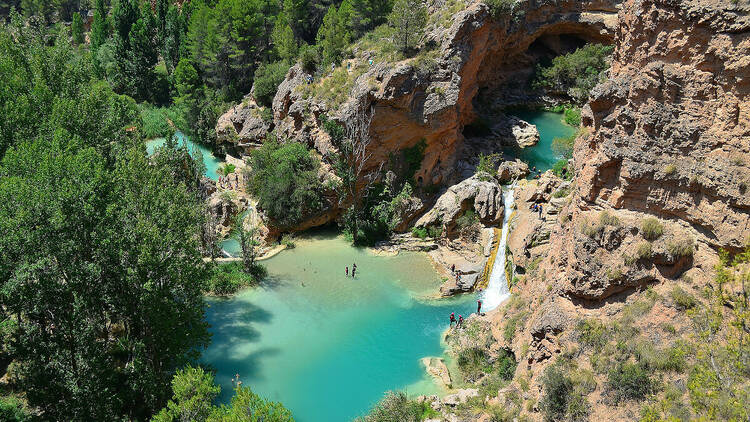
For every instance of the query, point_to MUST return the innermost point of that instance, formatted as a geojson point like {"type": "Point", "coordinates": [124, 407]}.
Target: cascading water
{"type": "Point", "coordinates": [497, 289]}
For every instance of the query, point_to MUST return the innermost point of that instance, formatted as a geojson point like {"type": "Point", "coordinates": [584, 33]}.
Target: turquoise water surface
{"type": "Point", "coordinates": [328, 346]}
{"type": "Point", "coordinates": [212, 163]}
{"type": "Point", "coordinates": [550, 126]}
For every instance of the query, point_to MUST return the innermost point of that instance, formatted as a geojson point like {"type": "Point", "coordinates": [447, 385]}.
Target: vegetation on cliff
{"type": "Point", "coordinates": [284, 178]}
{"type": "Point", "coordinates": [574, 74]}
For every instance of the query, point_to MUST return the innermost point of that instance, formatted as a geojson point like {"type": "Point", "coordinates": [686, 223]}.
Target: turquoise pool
{"type": "Point", "coordinates": [326, 345]}
{"type": "Point", "coordinates": [212, 163]}
{"type": "Point", "coordinates": [550, 126]}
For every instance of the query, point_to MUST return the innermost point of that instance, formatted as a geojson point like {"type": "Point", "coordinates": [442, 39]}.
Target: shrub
{"type": "Point", "coordinates": [284, 178]}
{"type": "Point", "coordinates": [419, 232]}
{"type": "Point", "coordinates": [614, 274]}
{"type": "Point", "coordinates": [606, 219]}
{"type": "Point", "coordinates": [563, 147]}
{"type": "Point", "coordinates": [670, 169]}
{"type": "Point", "coordinates": [682, 299]}
{"type": "Point", "coordinates": [681, 248]}
{"type": "Point", "coordinates": [592, 333]}
{"type": "Point", "coordinates": [435, 231]}
{"type": "Point", "coordinates": [572, 116]}
{"type": "Point", "coordinates": [557, 387]}
{"type": "Point", "coordinates": [227, 279]}
{"type": "Point", "coordinates": [576, 73]}
{"type": "Point", "coordinates": [651, 228]}
{"type": "Point", "coordinates": [487, 166]}
{"type": "Point", "coordinates": [500, 8]}
{"type": "Point", "coordinates": [644, 250]}
{"type": "Point", "coordinates": [227, 169]}
{"type": "Point", "coordinates": [288, 241]}
{"type": "Point", "coordinates": [473, 362]}
{"type": "Point", "coordinates": [267, 80]}
{"type": "Point", "coordinates": [562, 193]}
{"type": "Point", "coordinates": [309, 59]}
{"type": "Point", "coordinates": [467, 219]}
{"type": "Point", "coordinates": [562, 169]}
{"type": "Point", "coordinates": [629, 381]}
{"type": "Point", "coordinates": [395, 406]}
{"type": "Point", "coordinates": [12, 410]}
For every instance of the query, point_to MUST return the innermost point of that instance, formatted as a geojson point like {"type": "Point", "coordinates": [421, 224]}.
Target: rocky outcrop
{"type": "Point", "coordinates": [512, 170]}
{"type": "Point", "coordinates": [515, 132]}
{"type": "Point", "coordinates": [243, 127]}
{"type": "Point", "coordinates": [667, 140]}
{"type": "Point", "coordinates": [430, 97]}
{"type": "Point", "coordinates": [483, 197]}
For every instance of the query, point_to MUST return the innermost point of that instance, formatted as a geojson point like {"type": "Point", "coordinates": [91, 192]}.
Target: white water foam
{"type": "Point", "coordinates": [497, 289]}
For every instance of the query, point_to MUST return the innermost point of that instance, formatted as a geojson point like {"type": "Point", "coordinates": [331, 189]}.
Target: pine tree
{"type": "Point", "coordinates": [283, 38]}
{"type": "Point", "coordinates": [409, 17]}
{"type": "Point", "coordinates": [76, 29]}
{"type": "Point", "coordinates": [172, 38]}
{"type": "Point", "coordinates": [333, 37]}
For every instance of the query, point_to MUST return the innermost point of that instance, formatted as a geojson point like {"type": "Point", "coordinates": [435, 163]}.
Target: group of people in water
{"type": "Point", "coordinates": [354, 270]}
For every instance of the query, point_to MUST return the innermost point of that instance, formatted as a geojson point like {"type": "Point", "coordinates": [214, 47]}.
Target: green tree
{"type": "Point", "coordinates": [103, 279]}
{"type": "Point", "coordinates": [172, 38]}
{"type": "Point", "coordinates": [369, 14]}
{"type": "Point", "coordinates": [194, 391]}
{"type": "Point", "coordinates": [283, 38]}
{"type": "Point", "coordinates": [100, 31]}
{"type": "Point", "coordinates": [409, 18]}
{"type": "Point", "coordinates": [333, 36]}
{"type": "Point", "coordinates": [76, 29]}
{"type": "Point", "coordinates": [576, 73]}
{"type": "Point", "coordinates": [284, 178]}
{"type": "Point", "coordinates": [267, 80]}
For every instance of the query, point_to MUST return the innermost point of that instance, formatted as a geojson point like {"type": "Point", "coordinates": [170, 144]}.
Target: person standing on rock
{"type": "Point", "coordinates": [540, 210]}
{"type": "Point", "coordinates": [453, 319]}
{"type": "Point", "coordinates": [479, 307]}
{"type": "Point", "coordinates": [460, 321]}
{"type": "Point", "coordinates": [453, 268]}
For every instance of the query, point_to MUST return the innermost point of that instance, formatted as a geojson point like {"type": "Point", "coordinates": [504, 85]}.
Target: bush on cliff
{"type": "Point", "coordinates": [284, 178]}
{"type": "Point", "coordinates": [267, 80]}
{"type": "Point", "coordinates": [574, 74]}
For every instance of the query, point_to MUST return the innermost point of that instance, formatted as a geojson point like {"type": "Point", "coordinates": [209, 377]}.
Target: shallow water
{"type": "Point", "coordinates": [212, 163]}
{"type": "Point", "coordinates": [550, 126]}
{"type": "Point", "coordinates": [326, 345]}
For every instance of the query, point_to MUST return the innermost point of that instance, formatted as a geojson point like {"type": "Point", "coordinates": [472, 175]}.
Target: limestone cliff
{"type": "Point", "coordinates": [662, 172]}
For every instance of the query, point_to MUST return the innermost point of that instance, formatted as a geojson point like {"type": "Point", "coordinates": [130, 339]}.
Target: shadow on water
{"type": "Point", "coordinates": [237, 318]}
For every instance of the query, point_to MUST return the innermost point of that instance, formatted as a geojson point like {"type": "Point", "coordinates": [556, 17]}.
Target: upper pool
{"type": "Point", "coordinates": [326, 345]}
{"type": "Point", "coordinates": [212, 163]}
{"type": "Point", "coordinates": [550, 126]}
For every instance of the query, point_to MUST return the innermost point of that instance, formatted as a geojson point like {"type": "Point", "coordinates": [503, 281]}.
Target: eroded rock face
{"type": "Point", "coordinates": [432, 99]}
{"type": "Point", "coordinates": [668, 139]}
{"type": "Point", "coordinates": [242, 127]}
{"type": "Point", "coordinates": [483, 197]}
{"type": "Point", "coordinates": [512, 170]}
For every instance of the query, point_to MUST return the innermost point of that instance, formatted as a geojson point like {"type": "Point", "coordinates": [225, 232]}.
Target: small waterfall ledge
{"type": "Point", "coordinates": [497, 288]}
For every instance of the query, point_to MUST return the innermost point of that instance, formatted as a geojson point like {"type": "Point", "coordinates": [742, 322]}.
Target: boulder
{"type": "Point", "coordinates": [512, 170]}
{"type": "Point", "coordinates": [484, 197]}
{"type": "Point", "coordinates": [460, 396]}
{"type": "Point", "coordinates": [242, 126]}
{"type": "Point", "coordinates": [515, 132]}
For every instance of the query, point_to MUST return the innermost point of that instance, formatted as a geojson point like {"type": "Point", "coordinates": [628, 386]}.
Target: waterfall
{"type": "Point", "coordinates": [497, 289]}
